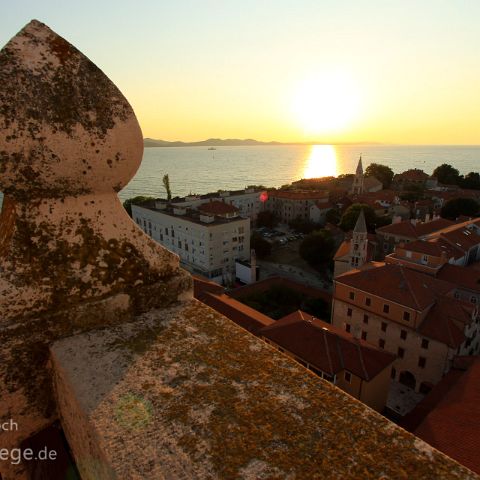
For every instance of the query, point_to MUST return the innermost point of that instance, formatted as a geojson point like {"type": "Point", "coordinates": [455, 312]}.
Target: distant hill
{"type": "Point", "coordinates": [232, 142]}
{"type": "Point", "coordinates": [211, 142]}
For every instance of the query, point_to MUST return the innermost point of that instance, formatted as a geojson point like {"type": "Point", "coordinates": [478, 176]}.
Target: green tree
{"type": "Point", "coordinates": [267, 218]}
{"type": "Point", "coordinates": [380, 172]}
{"type": "Point", "coordinates": [447, 175]}
{"type": "Point", "coordinates": [460, 206]}
{"type": "Point", "coordinates": [127, 204]}
{"type": "Point", "coordinates": [166, 184]}
{"type": "Point", "coordinates": [317, 248]}
{"type": "Point", "coordinates": [350, 216]}
{"type": "Point", "coordinates": [262, 247]}
{"type": "Point", "coordinates": [333, 216]}
{"type": "Point", "coordinates": [471, 180]}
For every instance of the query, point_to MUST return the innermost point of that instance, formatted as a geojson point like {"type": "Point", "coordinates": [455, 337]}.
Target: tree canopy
{"type": "Point", "coordinates": [127, 204]}
{"type": "Point", "coordinates": [262, 247]}
{"type": "Point", "coordinates": [380, 172]}
{"type": "Point", "coordinates": [350, 216]}
{"type": "Point", "coordinates": [447, 174]}
{"type": "Point", "coordinates": [317, 248]}
{"type": "Point", "coordinates": [267, 218]}
{"type": "Point", "coordinates": [166, 184]}
{"type": "Point", "coordinates": [471, 180]}
{"type": "Point", "coordinates": [460, 206]}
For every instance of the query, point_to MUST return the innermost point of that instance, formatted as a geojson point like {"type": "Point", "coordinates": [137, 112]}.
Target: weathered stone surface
{"type": "Point", "coordinates": [185, 393]}
{"type": "Point", "coordinates": [70, 257]}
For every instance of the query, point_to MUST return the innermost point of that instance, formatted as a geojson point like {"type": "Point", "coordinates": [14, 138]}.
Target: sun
{"type": "Point", "coordinates": [326, 103]}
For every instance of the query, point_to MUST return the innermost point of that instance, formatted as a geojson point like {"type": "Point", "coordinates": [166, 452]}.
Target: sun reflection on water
{"type": "Point", "coordinates": [322, 162]}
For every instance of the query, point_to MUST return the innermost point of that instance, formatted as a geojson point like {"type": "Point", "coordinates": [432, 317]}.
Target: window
{"type": "Point", "coordinates": [386, 308]}
{"type": "Point", "coordinates": [406, 316]}
{"type": "Point", "coordinates": [394, 373]}
{"type": "Point", "coordinates": [349, 312]}
{"type": "Point", "coordinates": [381, 343]}
{"type": "Point", "coordinates": [456, 295]}
{"type": "Point", "coordinates": [348, 377]}
{"type": "Point", "coordinates": [364, 335]}
{"type": "Point", "coordinates": [384, 326]}
{"type": "Point", "coordinates": [365, 319]}
{"type": "Point", "coordinates": [368, 301]}
{"type": "Point", "coordinates": [422, 361]}
{"type": "Point", "coordinates": [473, 299]}
{"type": "Point", "coordinates": [179, 244]}
{"type": "Point", "coordinates": [424, 343]}
{"type": "Point", "coordinates": [351, 295]}
{"type": "Point", "coordinates": [403, 334]}
{"type": "Point", "coordinates": [347, 327]}
{"type": "Point", "coordinates": [401, 352]}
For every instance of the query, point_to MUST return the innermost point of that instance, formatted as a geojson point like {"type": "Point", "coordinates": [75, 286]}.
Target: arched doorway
{"type": "Point", "coordinates": [408, 379]}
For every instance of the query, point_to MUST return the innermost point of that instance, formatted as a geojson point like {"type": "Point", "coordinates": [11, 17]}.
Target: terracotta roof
{"type": "Point", "coordinates": [201, 286]}
{"type": "Point", "coordinates": [413, 419]}
{"type": "Point", "coordinates": [468, 278]}
{"type": "Point", "coordinates": [243, 315]}
{"type": "Point", "coordinates": [343, 249]}
{"type": "Point", "coordinates": [298, 195]}
{"type": "Point", "coordinates": [460, 237]}
{"type": "Point", "coordinates": [446, 321]}
{"type": "Point", "coordinates": [398, 284]}
{"type": "Point", "coordinates": [217, 208]}
{"type": "Point", "coordinates": [453, 426]}
{"type": "Point", "coordinates": [325, 347]}
{"type": "Point", "coordinates": [434, 247]}
{"type": "Point", "coordinates": [407, 229]}
{"type": "Point", "coordinates": [369, 182]}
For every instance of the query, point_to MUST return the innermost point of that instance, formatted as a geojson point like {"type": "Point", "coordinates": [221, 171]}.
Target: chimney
{"type": "Point", "coordinates": [427, 217]}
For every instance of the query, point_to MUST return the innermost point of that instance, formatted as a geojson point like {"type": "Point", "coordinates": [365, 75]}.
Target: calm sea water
{"type": "Point", "coordinates": [199, 170]}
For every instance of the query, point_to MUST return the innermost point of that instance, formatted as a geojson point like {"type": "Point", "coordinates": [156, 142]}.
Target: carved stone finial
{"type": "Point", "coordinates": [69, 140]}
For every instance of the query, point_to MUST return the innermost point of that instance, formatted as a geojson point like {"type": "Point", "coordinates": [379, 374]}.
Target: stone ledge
{"type": "Point", "coordinates": [184, 393]}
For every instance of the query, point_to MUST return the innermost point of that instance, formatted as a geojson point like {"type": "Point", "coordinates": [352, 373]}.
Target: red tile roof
{"type": "Point", "coordinates": [212, 294]}
{"type": "Point", "coordinates": [243, 315]}
{"type": "Point", "coordinates": [468, 278]}
{"type": "Point", "coordinates": [453, 425]}
{"type": "Point", "coordinates": [398, 284]}
{"type": "Point", "coordinates": [217, 208]}
{"type": "Point", "coordinates": [326, 347]}
{"type": "Point", "coordinates": [298, 195]}
{"type": "Point", "coordinates": [446, 321]}
{"type": "Point", "coordinates": [407, 229]}
{"type": "Point", "coordinates": [434, 247]}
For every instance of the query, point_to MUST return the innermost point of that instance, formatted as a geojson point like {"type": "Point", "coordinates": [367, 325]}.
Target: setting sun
{"type": "Point", "coordinates": [326, 103]}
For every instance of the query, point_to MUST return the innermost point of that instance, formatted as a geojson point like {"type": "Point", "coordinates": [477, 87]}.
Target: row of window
{"type": "Point", "coordinates": [386, 307]}
{"type": "Point", "coordinates": [383, 326]}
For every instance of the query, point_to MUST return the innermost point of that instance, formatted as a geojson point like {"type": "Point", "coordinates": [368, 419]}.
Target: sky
{"type": "Point", "coordinates": [401, 72]}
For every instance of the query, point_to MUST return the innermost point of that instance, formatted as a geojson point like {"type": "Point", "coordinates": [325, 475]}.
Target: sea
{"type": "Point", "coordinates": [202, 170]}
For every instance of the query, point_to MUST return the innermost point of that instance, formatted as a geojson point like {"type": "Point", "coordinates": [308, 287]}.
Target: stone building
{"type": "Point", "coordinates": [208, 239]}
{"type": "Point", "coordinates": [414, 315]}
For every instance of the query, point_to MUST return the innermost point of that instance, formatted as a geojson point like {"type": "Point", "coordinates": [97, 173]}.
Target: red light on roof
{"type": "Point", "coordinates": [263, 197]}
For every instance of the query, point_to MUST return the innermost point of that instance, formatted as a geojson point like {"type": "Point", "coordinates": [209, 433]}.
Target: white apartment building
{"type": "Point", "coordinates": [208, 239]}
